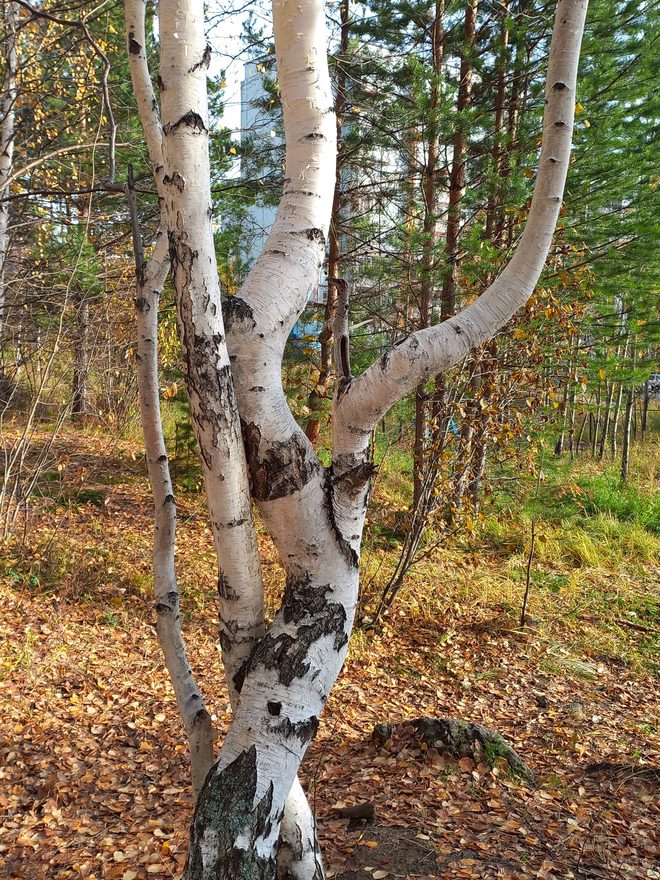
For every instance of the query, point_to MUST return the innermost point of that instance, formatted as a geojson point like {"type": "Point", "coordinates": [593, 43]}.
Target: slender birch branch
{"type": "Point", "coordinates": [151, 278]}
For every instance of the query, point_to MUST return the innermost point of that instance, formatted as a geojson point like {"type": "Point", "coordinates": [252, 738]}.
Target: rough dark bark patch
{"type": "Point", "coordinates": [210, 384]}
{"type": "Point", "coordinates": [224, 589]}
{"type": "Point", "coordinates": [190, 120]}
{"type": "Point", "coordinates": [349, 553]}
{"type": "Point", "coordinates": [133, 46]}
{"type": "Point", "coordinates": [204, 61]}
{"type": "Point", "coordinates": [225, 808]}
{"type": "Point", "coordinates": [305, 731]}
{"type": "Point", "coordinates": [282, 468]}
{"type": "Point", "coordinates": [312, 234]}
{"type": "Point", "coordinates": [176, 180]}
{"type": "Point", "coordinates": [236, 310]}
{"type": "Point", "coordinates": [315, 615]}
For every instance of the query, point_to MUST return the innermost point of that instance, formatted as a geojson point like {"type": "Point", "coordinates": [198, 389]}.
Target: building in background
{"type": "Point", "coordinates": [262, 152]}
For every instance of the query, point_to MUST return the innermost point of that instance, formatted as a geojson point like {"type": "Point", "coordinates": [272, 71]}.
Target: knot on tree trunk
{"type": "Point", "coordinates": [461, 739]}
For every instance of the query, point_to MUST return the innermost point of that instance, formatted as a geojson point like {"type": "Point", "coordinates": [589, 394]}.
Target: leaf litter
{"type": "Point", "coordinates": [93, 769]}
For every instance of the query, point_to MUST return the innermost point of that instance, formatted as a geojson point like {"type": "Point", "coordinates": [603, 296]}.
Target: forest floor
{"type": "Point", "coordinates": [93, 774]}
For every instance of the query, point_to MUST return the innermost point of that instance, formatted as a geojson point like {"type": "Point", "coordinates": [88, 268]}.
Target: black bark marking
{"type": "Point", "coordinates": [345, 357]}
{"type": "Point", "coordinates": [274, 708]}
{"type": "Point", "coordinates": [307, 607]}
{"type": "Point", "coordinates": [160, 83]}
{"type": "Point", "coordinates": [226, 642]}
{"type": "Point", "coordinates": [133, 46]}
{"type": "Point", "coordinates": [236, 310]}
{"type": "Point", "coordinates": [304, 731]}
{"type": "Point", "coordinates": [224, 589]}
{"type": "Point", "coordinates": [457, 329]}
{"type": "Point", "coordinates": [209, 381]}
{"type": "Point", "coordinates": [559, 86]}
{"type": "Point", "coordinates": [355, 479]}
{"type": "Point", "coordinates": [312, 234]}
{"type": "Point", "coordinates": [191, 119]}
{"type": "Point", "coordinates": [175, 179]}
{"type": "Point", "coordinates": [315, 136]}
{"type": "Point", "coordinates": [204, 61]}
{"type": "Point", "coordinates": [349, 553]}
{"type": "Point", "coordinates": [282, 468]}
{"type": "Point", "coordinates": [302, 192]}
{"type": "Point", "coordinates": [225, 806]}
{"type": "Point", "coordinates": [142, 305]}
{"type": "Point", "coordinates": [560, 123]}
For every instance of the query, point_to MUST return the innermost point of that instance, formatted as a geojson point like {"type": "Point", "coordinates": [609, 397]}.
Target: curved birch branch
{"type": "Point", "coordinates": [240, 585]}
{"type": "Point", "coordinates": [435, 349]}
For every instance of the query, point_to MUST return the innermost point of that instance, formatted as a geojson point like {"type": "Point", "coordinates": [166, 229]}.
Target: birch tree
{"type": "Point", "coordinates": [251, 819]}
{"type": "Point", "coordinates": [7, 125]}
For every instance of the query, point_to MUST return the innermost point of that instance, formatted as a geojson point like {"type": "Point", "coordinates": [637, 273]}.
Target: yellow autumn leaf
{"type": "Point", "coordinates": [232, 150]}
{"type": "Point", "coordinates": [601, 373]}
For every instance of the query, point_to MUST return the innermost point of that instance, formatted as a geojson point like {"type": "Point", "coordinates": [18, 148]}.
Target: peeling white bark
{"type": "Point", "coordinates": [7, 132]}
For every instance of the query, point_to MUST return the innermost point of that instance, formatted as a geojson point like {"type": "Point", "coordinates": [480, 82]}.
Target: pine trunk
{"type": "Point", "coordinates": [625, 456]}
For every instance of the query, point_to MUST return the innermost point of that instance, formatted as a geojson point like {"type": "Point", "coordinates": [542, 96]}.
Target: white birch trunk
{"type": "Point", "coordinates": [186, 187]}
{"type": "Point", "coordinates": [186, 184]}
{"type": "Point", "coordinates": [7, 132]}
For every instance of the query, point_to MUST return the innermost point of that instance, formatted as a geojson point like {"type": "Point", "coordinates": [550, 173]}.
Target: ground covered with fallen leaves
{"type": "Point", "coordinates": [93, 771]}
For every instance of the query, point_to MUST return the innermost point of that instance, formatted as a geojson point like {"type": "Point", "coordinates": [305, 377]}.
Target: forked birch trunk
{"type": "Point", "coordinates": [314, 514]}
